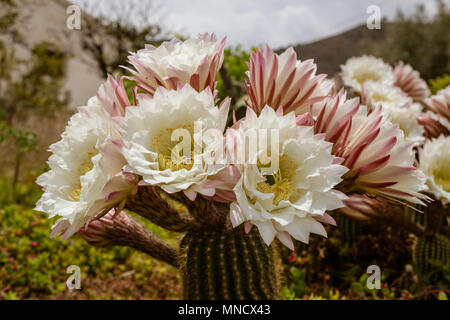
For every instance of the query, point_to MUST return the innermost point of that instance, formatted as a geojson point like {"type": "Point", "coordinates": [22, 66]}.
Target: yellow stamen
{"type": "Point", "coordinates": [84, 168]}
{"type": "Point", "coordinates": [74, 195]}
{"type": "Point", "coordinates": [279, 186]}
{"type": "Point", "coordinates": [378, 97]}
{"type": "Point", "coordinates": [175, 162]}
{"type": "Point", "coordinates": [362, 77]}
{"type": "Point", "coordinates": [442, 178]}
{"type": "Point", "coordinates": [279, 183]}
{"type": "Point", "coordinates": [170, 154]}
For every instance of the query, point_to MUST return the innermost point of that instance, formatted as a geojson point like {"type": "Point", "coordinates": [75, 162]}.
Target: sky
{"type": "Point", "coordinates": [279, 23]}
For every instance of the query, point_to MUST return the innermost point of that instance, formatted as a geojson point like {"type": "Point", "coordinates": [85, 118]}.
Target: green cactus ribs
{"type": "Point", "coordinates": [349, 229]}
{"type": "Point", "coordinates": [229, 264]}
{"type": "Point", "coordinates": [428, 252]}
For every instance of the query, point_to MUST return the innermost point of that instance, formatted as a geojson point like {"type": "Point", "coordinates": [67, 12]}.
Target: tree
{"type": "Point", "coordinates": [417, 40]}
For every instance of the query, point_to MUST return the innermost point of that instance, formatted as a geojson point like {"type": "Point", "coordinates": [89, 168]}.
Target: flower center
{"type": "Point", "coordinates": [442, 178]}
{"type": "Point", "coordinates": [279, 186]}
{"type": "Point", "coordinates": [379, 97]}
{"type": "Point", "coordinates": [362, 77]}
{"type": "Point", "coordinates": [84, 167]}
{"type": "Point", "coordinates": [279, 183]}
{"type": "Point", "coordinates": [170, 153]}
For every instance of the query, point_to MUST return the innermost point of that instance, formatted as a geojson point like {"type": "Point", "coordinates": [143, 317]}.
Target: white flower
{"type": "Point", "coordinates": [150, 151]}
{"type": "Point", "coordinates": [195, 61]}
{"type": "Point", "coordinates": [397, 106]}
{"type": "Point", "coordinates": [406, 118]}
{"type": "Point", "coordinates": [73, 188]}
{"type": "Point", "coordinates": [357, 70]}
{"type": "Point", "coordinates": [289, 201]}
{"type": "Point", "coordinates": [378, 93]}
{"type": "Point", "coordinates": [434, 161]}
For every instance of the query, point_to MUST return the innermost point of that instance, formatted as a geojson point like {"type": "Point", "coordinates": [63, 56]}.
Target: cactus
{"type": "Point", "coordinates": [349, 228]}
{"type": "Point", "coordinates": [228, 264]}
{"type": "Point", "coordinates": [427, 250]}
{"type": "Point", "coordinates": [217, 261]}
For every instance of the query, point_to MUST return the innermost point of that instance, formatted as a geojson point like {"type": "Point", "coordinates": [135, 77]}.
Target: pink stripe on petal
{"type": "Point", "coordinates": [374, 166]}
{"type": "Point", "coordinates": [376, 185]}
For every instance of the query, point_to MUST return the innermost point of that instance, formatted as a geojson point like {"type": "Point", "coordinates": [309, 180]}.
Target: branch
{"type": "Point", "coordinates": [148, 203]}
{"type": "Point", "coordinates": [123, 230]}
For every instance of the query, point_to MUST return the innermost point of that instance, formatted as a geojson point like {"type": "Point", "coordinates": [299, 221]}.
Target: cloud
{"type": "Point", "coordinates": [253, 22]}
{"type": "Point", "coordinates": [246, 22]}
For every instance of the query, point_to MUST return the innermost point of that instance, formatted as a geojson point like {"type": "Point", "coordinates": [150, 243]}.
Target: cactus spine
{"type": "Point", "coordinates": [425, 250]}
{"type": "Point", "coordinates": [350, 229]}
{"type": "Point", "coordinates": [228, 265]}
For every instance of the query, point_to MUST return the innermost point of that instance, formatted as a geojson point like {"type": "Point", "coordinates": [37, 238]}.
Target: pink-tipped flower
{"type": "Point", "coordinates": [362, 207]}
{"type": "Point", "coordinates": [116, 228]}
{"type": "Point", "coordinates": [409, 80]}
{"type": "Point", "coordinates": [195, 61]}
{"type": "Point", "coordinates": [283, 81]}
{"type": "Point", "coordinates": [223, 184]}
{"type": "Point", "coordinates": [120, 184]}
{"type": "Point", "coordinates": [333, 115]}
{"type": "Point", "coordinates": [380, 161]}
{"type": "Point", "coordinates": [440, 102]}
{"type": "Point", "coordinates": [112, 96]}
{"type": "Point", "coordinates": [434, 125]}
{"type": "Point", "coordinates": [98, 232]}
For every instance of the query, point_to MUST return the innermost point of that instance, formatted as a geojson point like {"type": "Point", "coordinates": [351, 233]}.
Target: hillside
{"type": "Point", "coordinates": [45, 20]}
{"type": "Point", "coordinates": [333, 51]}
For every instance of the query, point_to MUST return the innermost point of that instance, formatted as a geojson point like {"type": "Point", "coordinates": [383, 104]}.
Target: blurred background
{"type": "Point", "coordinates": [48, 69]}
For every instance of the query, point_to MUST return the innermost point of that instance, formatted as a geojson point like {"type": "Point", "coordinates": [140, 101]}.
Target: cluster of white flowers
{"type": "Point", "coordinates": [300, 151]}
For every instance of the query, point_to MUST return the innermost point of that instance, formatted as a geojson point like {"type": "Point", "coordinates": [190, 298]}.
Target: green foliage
{"type": "Point", "coordinates": [129, 87]}
{"type": "Point", "coordinates": [235, 63]}
{"type": "Point", "coordinates": [25, 141]}
{"type": "Point", "coordinates": [432, 259]}
{"type": "Point", "coordinates": [298, 286]}
{"type": "Point", "coordinates": [110, 42]}
{"type": "Point", "coordinates": [8, 16]}
{"type": "Point", "coordinates": [48, 61]}
{"type": "Point", "coordinates": [40, 90]}
{"type": "Point", "coordinates": [7, 19]}
{"type": "Point", "coordinates": [442, 296]}
{"type": "Point", "coordinates": [228, 265]}
{"type": "Point", "coordinates": [417, 40]}
{"type": "Point", "coordinates": [32, 264]}
{"type": "Point", "coordinates": [439, 83]}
